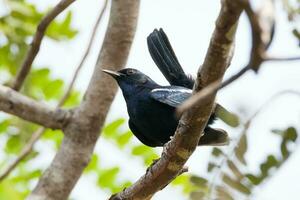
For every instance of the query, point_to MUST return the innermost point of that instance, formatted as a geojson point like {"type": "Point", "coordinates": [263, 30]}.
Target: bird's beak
{"type": "Point", "coordinates": [112, 73]}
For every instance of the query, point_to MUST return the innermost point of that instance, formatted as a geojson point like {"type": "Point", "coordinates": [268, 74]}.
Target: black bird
{"type": "Point", "coordinates": [151, 109]}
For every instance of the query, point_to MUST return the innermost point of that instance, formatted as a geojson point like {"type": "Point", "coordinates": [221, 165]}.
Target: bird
{"type": "Point", "coordinates": [151, 109]}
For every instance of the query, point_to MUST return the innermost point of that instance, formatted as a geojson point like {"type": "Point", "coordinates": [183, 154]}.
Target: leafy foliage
{"type": "Point", "coordinates": [292, 9]}
{"type": "Point", "coordinates": [234, 178]}
{"type": "Point", "coordinates": [17, 27]}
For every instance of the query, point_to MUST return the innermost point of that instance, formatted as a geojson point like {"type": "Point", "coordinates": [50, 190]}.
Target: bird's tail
{"type": "Point", "coordinates": [214, 137]}
{"type": "Point", "coordinates": [164, 57]}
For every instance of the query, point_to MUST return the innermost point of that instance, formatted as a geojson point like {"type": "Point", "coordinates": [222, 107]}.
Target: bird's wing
{"type": "Point", "coordinates": [164, 57]}
{"type": "Point", "coordinates": [172, 96]}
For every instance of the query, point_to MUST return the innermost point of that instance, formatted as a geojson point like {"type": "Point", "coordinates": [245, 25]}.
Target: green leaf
{"type": "Point", "coordinates": [54, 89]}
{"type": "Point", "coordinates": [241, 149]}
{"type": "Point", "coordinates": [62, 30]}
{"type": "Point", "coordinates": [229, 118]}
{"type": "Point", "coordinates": [217, 152]}
{"type": "Point", "coordinates": [254, 179]}
{"type": "Point", "coordinates": [111, 130]}
{"type": "Point", "coordinates": [55, 136]}
{"type": "Point", "coordinates": [268, 164]}
{"type": "Point", "coordinates": [72, 100]}
{"type": "Point", "coordinates": [184, 181]}
{"type": "Point", "coordinates": [211, 166]}
{"type": "Point", "coordinates": [235, 170]}
{"type": "Point", "coordinates": [124, 138]}
{"type": "Point", "coordinates": [223, 193]}
{"type": "Point", "coordinates": [140, 150]}
{"type": "Point", "coordinates": [4, 125]}
{"type": "Point", "coordinates": [146, 153]}
{"type": "Point", "coordinates": [107, 177]}
{"type": "Point", "coordinates": [291, 134]}
{"type": "Point", "coordinates": [93, 164]}
{"type": "Point", "coordinates": [198, 181]}
{"type": "Point", "coordinates": [197, 195]}
{"type": "Point", "coordinates": [8, 191]}
{"type": "Point", "coordinates": [13, 144]}
{"type": "Point", "coordinates": [235, 184]}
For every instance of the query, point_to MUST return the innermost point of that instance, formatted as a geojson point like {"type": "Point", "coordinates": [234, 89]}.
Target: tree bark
{"type": "Point", "coordinates": [28, 109]}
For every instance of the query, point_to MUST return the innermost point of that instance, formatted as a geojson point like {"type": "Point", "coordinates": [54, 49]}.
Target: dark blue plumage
{"type": "Point", "coordinates": [151, 109]}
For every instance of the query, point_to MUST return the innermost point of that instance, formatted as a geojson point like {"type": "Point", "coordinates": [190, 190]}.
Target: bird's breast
{"type": "Point", "coordinates": [154, 119]}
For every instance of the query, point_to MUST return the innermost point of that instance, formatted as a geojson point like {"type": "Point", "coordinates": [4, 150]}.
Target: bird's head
{"type": "Point", "coordinates": [130, 79]}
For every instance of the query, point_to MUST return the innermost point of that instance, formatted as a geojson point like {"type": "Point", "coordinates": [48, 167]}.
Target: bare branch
{"type": "Point", "coordinates": [273, 58]}
{"type": "Point", "coordinates": [193, 122]}
{"type": "Point", "coordinates": [82, 132]}
{"type": "Point", "coordinates": [262, 28]}
{"type": "Point", "coordinates": [36, 43]}
{"type": "Point", "coordinates": [201, 96]}
{"type": "Point", "coordinates": [261, 39]}
{"type": "Point", "coordinates": [37, 134]}
{"type": "Point", "coordinates": [28, 109]}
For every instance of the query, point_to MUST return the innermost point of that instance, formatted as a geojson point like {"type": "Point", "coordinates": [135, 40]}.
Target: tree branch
{"type": "Point", "coordinates": [200, 97]}
{"type": "Point", "coordinates": [257, 57]}
{"type": "Point", "coordinates": [36, 43]}
{"type": "Point", "coordinates": [28, 109]}
{"type": "Point", "coordinates": [37, 134]}
{"type": "Point", "coordinates": [193, 122]}
{"type": "Point", "coordinates": [83, 130]}
{"type": "Point", "coordinates": [273, 58]}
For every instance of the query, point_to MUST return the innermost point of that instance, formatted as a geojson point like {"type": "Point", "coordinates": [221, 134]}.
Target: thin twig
{"type": "Point", "coordinates": [24, 152]}
{"type": "Point", "coordinates": [37, 134]}
{"type": "Point", "coordinates": [200, 97]}
{"type": "Point", "coordinates": [36, 43]}
{"type": "Point", "coordinates": [272, 58]}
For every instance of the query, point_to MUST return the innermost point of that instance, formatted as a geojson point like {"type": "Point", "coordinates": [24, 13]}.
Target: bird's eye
{"type": "Point", "coordinates": [130, 72]}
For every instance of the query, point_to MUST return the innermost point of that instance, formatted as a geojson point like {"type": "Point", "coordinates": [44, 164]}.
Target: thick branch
{"type": "Point", "coordinates": [28, 109]}
{"type": "Point", "coordinates": [82, 132]}
{"type": "Point", "coordinates": [36, 43]}
{"type": "Point", "coordinates": [37, 134]}
{"type": "Point", "coordinates": [192, 123]}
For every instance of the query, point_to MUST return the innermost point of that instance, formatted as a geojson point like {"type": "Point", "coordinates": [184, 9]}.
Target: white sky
{"type": "Point", "coordinates": [189, 26]}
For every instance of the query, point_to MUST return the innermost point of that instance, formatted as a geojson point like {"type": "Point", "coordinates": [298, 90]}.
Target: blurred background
{"type": "Point", "coordinates": [263, 158]}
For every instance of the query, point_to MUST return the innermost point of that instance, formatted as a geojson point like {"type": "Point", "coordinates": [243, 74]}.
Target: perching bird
{"type": "Point", "coordinates": [151, 109]}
